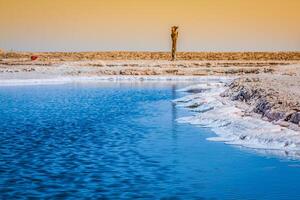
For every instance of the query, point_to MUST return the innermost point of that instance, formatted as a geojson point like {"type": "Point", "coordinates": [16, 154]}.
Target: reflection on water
{"type": "Point", "coordinates": [122, 141]}
{"type": "Point", "coordinates": [174, 112]}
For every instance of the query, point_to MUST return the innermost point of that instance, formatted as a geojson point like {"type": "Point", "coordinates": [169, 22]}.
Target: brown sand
{"type": "Point", "coordinates": [122, 55]}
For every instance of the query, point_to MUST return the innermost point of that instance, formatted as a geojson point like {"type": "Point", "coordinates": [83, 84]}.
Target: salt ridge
{"type": "Point", "coordinates": [232, 126]}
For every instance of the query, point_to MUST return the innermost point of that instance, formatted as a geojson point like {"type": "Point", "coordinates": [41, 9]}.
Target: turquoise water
{"type": "Point", "coordinates": [122, 141]}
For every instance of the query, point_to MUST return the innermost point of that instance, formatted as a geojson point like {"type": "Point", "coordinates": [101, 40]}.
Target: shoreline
{"type": "Point", "coordinates": [264, 102]}
{"type": "Point", "coordinates": [99, 79]}
{"type": "Point", "coordinates": [223, 99]}
{"type": "Point", "coordinates": [231, 123]}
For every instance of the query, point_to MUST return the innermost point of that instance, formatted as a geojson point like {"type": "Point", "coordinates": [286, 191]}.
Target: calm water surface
{"type": "Point", "coordinates": [121, 141]}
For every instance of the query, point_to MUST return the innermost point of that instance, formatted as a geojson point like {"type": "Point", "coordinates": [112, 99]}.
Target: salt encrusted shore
{"type": "Point", "coordinates": [34, 80]}
{"type": "Point", "coordinates": [233, 122]}
{"type": "Point", "coordinates": [275, 97]}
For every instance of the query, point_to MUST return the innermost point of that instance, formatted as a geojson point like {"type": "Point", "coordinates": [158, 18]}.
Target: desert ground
{"type": "Point", "coordinates": [146, 63]}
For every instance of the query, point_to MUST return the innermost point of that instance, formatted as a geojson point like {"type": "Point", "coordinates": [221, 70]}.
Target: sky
{"type": "Point", "coordinates": [144, 25]}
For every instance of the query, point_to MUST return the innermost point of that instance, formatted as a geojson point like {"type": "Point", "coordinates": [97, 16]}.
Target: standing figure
{"type": "Point", "coordinates": [174, 36]}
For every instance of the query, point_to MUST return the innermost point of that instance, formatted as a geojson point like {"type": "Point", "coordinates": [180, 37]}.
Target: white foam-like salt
{"type": "Point", "coordinates": [34, 80]}
{"type": "Point", "coordinates": [229, 123]}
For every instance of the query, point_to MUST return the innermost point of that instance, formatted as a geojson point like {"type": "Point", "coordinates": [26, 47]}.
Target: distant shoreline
{"type": "Point", "coordinates": [134, 55]}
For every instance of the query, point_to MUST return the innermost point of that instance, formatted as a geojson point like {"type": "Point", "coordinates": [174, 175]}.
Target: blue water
{"type": "Point", "coordinates": [121, 141]}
